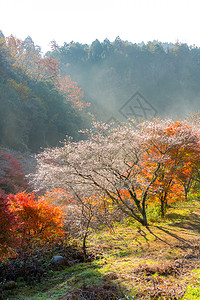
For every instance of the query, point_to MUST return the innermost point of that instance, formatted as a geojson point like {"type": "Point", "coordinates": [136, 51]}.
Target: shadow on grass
{"type": "Point", "coordinates": [190, 221]}
{"type": "Point", "coordinates": [156, 236]}
{"type": "Point", "coordinates": [81, 281]}
{"type": "Point", "coordinates": [172, 234]}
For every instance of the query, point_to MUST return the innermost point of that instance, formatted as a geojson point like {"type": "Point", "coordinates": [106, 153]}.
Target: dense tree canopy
{"type": "Point", "coordinates": [33, 111]}
{"type": "Point", "coordinates": [40, 103]}
{"type": "Point", "coordinates": [110, 72]}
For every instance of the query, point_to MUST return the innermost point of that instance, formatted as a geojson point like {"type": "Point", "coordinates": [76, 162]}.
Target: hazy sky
{"type": "Point", "coordinates": [86, 20]}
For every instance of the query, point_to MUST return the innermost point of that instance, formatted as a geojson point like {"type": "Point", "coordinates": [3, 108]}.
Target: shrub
{"type": "Point", "coordinates": [12, 177]}
{"type": "Point", "coordinates": [8, 227]}
{"type": "Point", "coordinates": [40, 223]}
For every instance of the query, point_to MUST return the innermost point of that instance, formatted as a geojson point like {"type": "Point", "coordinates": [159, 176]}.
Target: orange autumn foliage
{"type": "Point", "coordinates": [30, 61]}
{"type": "Point", "coordinates": [8, 227]}
{"type": "Point", "coordinates": [39, 221]}
{"type": "Point", "coordinates": [176, 147]}
{"type": "Point", "coordinates": [70, 90]}
{"type": "Point", "coordinates": [179, 167]}
{"type": "Point", "coordinates": [47, 68]}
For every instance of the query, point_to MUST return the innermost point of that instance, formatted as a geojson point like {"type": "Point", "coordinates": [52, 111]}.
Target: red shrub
{"type": "Point", "coordinates": [39, 222]}
{"type": "Point", "coordinates": [12, 177]}
{"type": "Point", "coordinates": [8, 226]}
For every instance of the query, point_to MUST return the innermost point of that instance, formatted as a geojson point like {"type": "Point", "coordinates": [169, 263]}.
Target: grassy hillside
{"type": "Point", "coordinates": [131, 262]}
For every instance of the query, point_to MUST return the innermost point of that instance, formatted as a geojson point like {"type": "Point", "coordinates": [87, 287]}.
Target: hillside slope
{"type": "Point", "coordinates": [132, 262]}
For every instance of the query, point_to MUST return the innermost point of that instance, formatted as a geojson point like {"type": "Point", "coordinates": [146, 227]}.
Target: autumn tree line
{"type": "Point", "coordinates": [38, 107]}
{"type": "Point", "coordinates": [114, 174]}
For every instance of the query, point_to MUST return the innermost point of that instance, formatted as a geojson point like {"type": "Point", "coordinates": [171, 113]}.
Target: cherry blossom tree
{"type": "Point", "coordinates": [120, 163]}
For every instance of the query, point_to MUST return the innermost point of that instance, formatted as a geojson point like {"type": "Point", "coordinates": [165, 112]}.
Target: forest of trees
{"type": "Point", "coordinates": [166, 74]}
{"type": "Point", "coordinates": [45, 97]}
{"type": "Point", "coordinates": [37, 107]}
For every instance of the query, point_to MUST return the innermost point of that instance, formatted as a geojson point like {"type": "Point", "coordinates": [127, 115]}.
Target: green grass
{"type": "Point", "coordinates": [126, 250]}
{"type": "Point", "coordinates": [193, 293]}
{"type": "Point", "coordinates": [193, 289]}
{"type": "Point", "coordinates": [60, 282]}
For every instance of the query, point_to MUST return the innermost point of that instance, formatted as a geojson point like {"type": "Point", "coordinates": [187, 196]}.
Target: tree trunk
{"type": "Point", "coordinates": [162, 209]}
{"type": "Point", "coordinates": [145, 223]}
{"type": "Point", "coordinates": [85, 237]}
{"type": "Point", "coordinates": [84, 245]}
